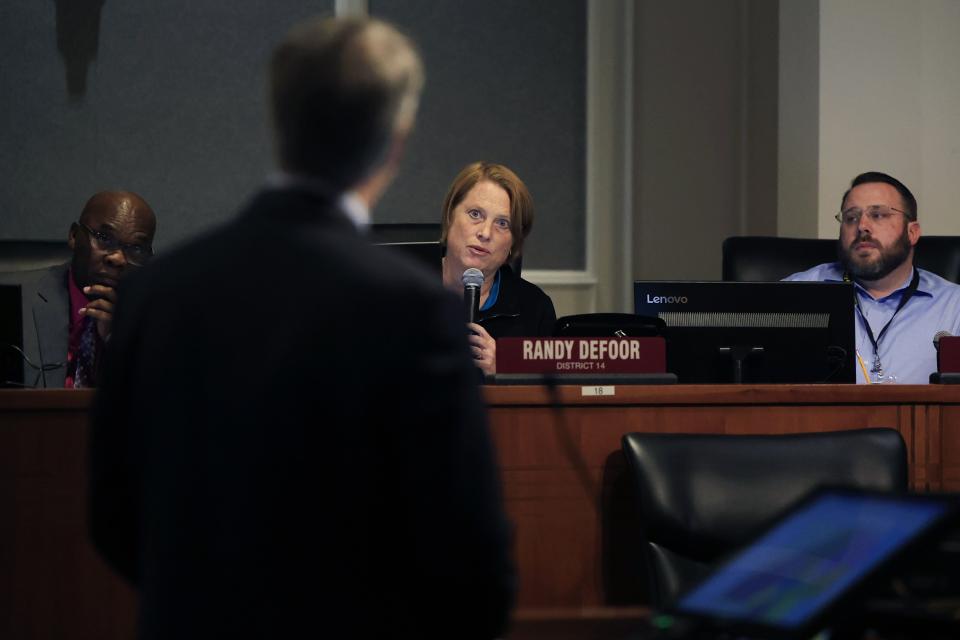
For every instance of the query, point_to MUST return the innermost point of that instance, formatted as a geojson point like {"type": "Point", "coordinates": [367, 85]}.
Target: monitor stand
{"type": "Point", "coordinates": [739, 353]}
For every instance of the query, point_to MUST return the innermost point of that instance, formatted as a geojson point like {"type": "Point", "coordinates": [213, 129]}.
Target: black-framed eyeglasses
{"type": "Point", "coordinates": [136, 254]}
{"type": "Point", "coordinates": [878, 213]}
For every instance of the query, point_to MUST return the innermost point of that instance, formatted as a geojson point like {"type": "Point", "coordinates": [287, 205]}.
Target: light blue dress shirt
{"type": "Point", "coordinates": [906, 351]}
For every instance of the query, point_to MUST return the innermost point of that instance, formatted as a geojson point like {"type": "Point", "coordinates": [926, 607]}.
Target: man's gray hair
{"type": "Point", "coordinates": [340, 89]}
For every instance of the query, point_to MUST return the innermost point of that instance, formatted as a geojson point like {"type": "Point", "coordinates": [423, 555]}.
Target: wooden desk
{"type": "Point", "coordinates": [563, 476]}
{"type": "Point", "coordinates": [52, 583]}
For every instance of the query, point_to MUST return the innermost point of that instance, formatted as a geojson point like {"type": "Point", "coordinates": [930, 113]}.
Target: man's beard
{"type": "Point", "coordinates": [889, 259]}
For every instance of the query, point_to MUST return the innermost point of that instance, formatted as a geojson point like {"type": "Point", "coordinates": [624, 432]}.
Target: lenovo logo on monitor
{"type": "Point", "coordinates": [666, 299]}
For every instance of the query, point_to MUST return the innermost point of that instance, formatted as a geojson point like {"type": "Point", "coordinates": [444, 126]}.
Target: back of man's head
{"type": "Point", "coordinates": [341, 89]}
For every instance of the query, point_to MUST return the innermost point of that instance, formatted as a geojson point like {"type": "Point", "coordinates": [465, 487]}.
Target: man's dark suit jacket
{"type": "Point", "coordinates": [288, 441]}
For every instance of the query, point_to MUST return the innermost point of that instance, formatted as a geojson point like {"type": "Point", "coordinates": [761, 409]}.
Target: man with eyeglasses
{"type": "Point", "coordinates": [899, 308]}
{"type": "Point", "coordinates": [68, 308]}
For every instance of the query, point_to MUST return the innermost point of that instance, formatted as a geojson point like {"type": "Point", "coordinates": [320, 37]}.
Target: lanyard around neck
{"type": "Point", "coordinates": [875, 341]}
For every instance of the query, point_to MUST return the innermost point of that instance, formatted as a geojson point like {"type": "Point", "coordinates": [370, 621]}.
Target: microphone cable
{"type": "Point", "coordinates": [573, 455]}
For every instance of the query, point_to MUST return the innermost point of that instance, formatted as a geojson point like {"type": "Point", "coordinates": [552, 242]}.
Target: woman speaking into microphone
{"type": "Point", "coordinates": [487, 215]}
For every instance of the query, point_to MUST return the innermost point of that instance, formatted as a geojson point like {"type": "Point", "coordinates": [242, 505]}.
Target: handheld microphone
{"type": "Point", "coordinates": [472, 279]}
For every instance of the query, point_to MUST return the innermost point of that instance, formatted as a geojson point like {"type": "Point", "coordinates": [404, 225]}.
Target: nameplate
{"type": "Point", "coordinates": [581, 355]}
{"type": "Point", "coordinates": [948, 357]}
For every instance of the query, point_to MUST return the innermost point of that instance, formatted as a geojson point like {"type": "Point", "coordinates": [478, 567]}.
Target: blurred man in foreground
{"type": "Point", "coordinates": [288, 441]}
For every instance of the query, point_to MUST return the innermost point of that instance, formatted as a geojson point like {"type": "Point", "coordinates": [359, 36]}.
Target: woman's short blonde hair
{"type": "Point", "coordinates": [521, 204]}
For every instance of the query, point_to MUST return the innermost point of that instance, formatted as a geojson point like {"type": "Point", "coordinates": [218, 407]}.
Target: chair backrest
{"type": "Point", "coordinates": [609, 325]}
{"type": "Point", "coordinates": [702, 495]}
{"type": "Point", "coordinates": [765, 258]}
{"type": "Point", "coordinates": [939, 254]}
{"type": "Point", "coordinates": [26, 255]}
{"type": "Point", "coordinates": [389, 232]}
{"type": "Point", "coordinates": [404, 232]}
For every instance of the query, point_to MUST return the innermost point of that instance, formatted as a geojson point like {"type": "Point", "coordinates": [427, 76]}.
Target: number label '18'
{"type": "Point", "coordinates": [605, 390]}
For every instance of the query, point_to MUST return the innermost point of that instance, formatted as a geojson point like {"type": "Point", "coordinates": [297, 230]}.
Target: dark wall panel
{"type": "Point", "coordinates": [506, 82]}
{"type": "Point", "coordinates": [168, 99]}
{"type": "Point", "coordinates": [173, 107]}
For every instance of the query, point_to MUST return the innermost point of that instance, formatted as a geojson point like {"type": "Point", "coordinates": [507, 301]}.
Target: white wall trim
{"type": "Point", "coordinates": [594, 32]}
{"type": "Point", "coordinates": [558, 278]}
{"type": "Point", "coordinates": [626, 211]}
{"type": "Point", "coordinates": [351, 7]}
{"type": "Point", "coordinates": [743, 153]}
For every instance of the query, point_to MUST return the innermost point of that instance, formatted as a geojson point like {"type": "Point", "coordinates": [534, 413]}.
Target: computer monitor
{"type": "Point", "coordinates": [754, 332]}
{"type": "Point", "coordinates": [11, 336]}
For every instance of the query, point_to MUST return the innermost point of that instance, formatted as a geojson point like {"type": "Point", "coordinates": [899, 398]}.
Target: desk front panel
{"type": "Point", "coordinates": [52, 582]}
{"type": "Point", "coordinates": [564, 481]}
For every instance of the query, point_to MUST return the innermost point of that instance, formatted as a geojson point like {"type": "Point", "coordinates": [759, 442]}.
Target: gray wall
{"type": "Point", "coordinates": [748, 116]}
{"type": "Point", "coordinates": [168, 99]}
{"type": "Point", "coordinates": [172, 107]}
{"type": "Point", "coordinates": [706, 121]}
{"type": "Point", "coordinates": [506, 82]}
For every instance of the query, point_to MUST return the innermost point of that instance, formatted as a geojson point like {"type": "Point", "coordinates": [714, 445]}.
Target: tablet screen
{"type": "Point", "coordinates": [810, 558]}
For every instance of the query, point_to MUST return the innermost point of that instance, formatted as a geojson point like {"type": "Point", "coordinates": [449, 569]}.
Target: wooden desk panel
{"type": "Point", "coordinates": [564, 480]}
{"type": "Point", "coordinates": [52, 583]}
{"type": "Point", "coordinates": [942, 432]}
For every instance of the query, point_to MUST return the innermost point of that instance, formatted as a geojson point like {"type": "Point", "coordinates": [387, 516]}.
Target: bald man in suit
{"type": "Point", "coordinates": [68, 308]}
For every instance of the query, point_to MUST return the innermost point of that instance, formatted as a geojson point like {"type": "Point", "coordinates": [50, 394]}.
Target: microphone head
{"type": "Point", "coordinates": [938, 335]}
{"type": "Point", "coordinates": [472, 277]}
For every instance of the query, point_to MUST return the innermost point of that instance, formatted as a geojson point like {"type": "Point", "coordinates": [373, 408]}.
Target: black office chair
{"type": "Point", "coordinates": [26, 255]}
{"type": "Point", "coordinates": [608, 325]}
{"type": "Point", "coordinates": [765, 258]}
{"type": "Point", "coordinates": [939, 254]}
{"type": "Point", "coordinates": [702, 495]}
{"type": "Point", "coordinates": [420, 232]}
{"type": "Point", "coordinates": [390, 232]}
